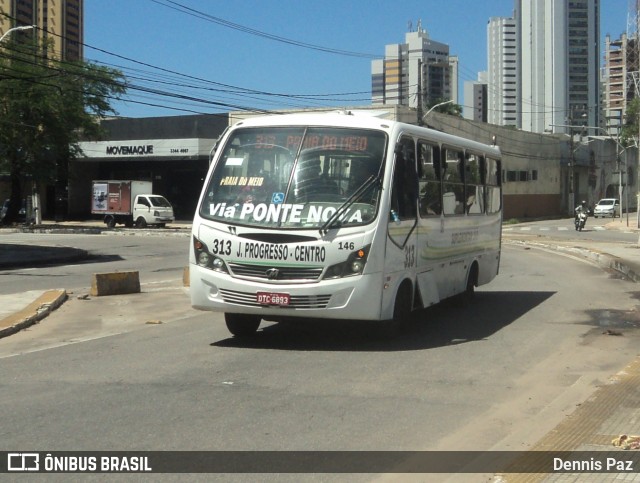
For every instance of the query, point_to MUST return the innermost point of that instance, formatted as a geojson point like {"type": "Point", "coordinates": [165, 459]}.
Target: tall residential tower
{"type": "Point", "coordinates": [419, 68]}
{"type": "Point", "coordinates": [61, 21]}
{"type": "Point", "coordinates": [621, 62]}
{"type": "Point", "coordinates": [503, 88]}
{"type": "Point", "coordinates": [559, 54]}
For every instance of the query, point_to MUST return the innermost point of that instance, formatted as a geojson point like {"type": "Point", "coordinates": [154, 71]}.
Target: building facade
{"type": "Point", "coordinates": [419, 72]}
{"type": "Point", "coordinates": [618, 86]}
{"type": "Point", "coordinates": [172, 152]}
{"type": "Point", "coordinates": [503, 92]}
{"type": "Point", "coordinates": [559, 55]}
{"type": "Point", "coordinates": [58, 21]}
{"type": "Point", "coordinates": [475, 101]}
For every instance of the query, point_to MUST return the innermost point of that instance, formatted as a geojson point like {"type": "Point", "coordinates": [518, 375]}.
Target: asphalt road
{"type": "Point", "coordinates": [158, 255]}
{"type": "Point", "coordinates": [498, 374]}
{"type": "Point", "coordinates": [563, 229]}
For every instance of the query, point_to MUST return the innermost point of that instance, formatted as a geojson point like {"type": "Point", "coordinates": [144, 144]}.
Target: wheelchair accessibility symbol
{"type": "Point", "coordinates": [277, 198]}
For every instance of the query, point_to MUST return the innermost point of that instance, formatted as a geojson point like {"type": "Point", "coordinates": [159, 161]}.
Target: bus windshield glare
{"type": "Point", "coordinates": [296, 177]}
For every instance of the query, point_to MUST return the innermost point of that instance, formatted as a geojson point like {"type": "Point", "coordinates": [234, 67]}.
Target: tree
{"type": "Point", "coordinates": [46, 106]}
{"type": "Point", "coordinates": [629, 134]}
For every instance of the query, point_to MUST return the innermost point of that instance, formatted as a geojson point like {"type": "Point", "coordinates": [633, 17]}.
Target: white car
{"type": "Point", "coordinates": [607, 207]}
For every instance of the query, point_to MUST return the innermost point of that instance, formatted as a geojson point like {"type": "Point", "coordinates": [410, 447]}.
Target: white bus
{"type": "Point", "coordinates": [342, 216]}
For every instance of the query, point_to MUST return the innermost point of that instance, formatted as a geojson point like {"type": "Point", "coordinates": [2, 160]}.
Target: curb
{"type": "Point", "coordinates": [33, 313]}
{"type": "Point", "coordinates": [601, 259]}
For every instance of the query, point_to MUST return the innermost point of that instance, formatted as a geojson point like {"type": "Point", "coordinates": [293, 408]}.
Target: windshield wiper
{"type": "Point", "coordinates": [344, 207]}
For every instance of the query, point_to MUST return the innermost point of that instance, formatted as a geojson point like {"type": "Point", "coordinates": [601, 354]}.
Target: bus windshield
{"type": "Point", "coordinates": [296, 177]}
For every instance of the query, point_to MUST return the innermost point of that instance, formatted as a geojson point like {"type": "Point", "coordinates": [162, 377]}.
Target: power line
{"type": "Point", "coordinates": [248, 30]}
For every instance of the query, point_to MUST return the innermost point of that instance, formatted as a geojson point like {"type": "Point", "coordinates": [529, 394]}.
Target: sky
{"type": "Point", "coordinates": [213, 56]}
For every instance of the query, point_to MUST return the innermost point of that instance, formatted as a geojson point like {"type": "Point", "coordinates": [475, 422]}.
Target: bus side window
{"type": "Point", "coordinates": [429, 169]}
{"type": "Point", "coordinates": [405, 180]}
{"type": "Point", "coordinates": [453, 199]}
{"type": "Point", "coordinates": [473, 184]}
{"type": "Point", "coordinates": [492, 185]}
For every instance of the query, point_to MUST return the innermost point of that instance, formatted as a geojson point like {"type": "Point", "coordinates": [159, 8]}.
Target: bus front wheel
{"type": "Point", "coordinates": [401, 312]}
{"type": "Point", "coordinates": [242, 325]}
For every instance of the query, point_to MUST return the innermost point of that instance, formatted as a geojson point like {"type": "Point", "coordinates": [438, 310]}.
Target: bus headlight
{"type": "Point", "coordinates": [205, 259]}
{"type": "Point", "coordinates": [354, 265]}
{"type": "Point", "coordinates": [357, 266]}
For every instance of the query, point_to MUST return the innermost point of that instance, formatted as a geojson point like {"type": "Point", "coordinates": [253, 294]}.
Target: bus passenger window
{"type": "Point", "coordinates": [429, 191]}
{"type": "Point", "coordinates": [473, 182]}
{"type": "Point", "coordinates": [492, 185]}
{"type": "Point", "coordinates": [453, 199]}
{"type": "Point", "coordinates": [405, 180]}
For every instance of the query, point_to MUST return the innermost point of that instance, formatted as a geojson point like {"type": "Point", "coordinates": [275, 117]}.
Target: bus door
{"type": "Point", "coordinates": [401, 250]}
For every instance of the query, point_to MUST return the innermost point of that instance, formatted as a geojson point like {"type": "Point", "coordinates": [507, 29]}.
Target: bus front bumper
{"type": "Point", "coordinates": [344, 298]}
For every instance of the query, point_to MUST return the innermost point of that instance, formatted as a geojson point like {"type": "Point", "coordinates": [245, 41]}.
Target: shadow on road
{"type": "Point", "coordinates": [442, 325]}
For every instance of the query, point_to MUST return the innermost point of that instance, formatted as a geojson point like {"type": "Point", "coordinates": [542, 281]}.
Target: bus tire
{"type": "Point", "coordinates": [110, 221]}
{"type": "Point", "coordinates": [401, 310]}
{"type": "Point", "coordinates": [242, 325]}
{"type": "Point", "coordinates": [468, 295]}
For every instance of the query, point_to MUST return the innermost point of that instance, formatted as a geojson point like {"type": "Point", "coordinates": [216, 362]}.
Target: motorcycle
{"type": "Point", "coordinates": [580, 221]}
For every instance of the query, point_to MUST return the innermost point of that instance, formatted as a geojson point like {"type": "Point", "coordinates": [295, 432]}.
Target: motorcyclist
{"type": "Point", "coordinates": [582, 208]}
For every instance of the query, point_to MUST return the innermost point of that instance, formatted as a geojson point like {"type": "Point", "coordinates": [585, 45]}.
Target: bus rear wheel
{"type": "Point", "coordinates": [242, 325]}
{"type": "Point", "coordinates": [468, 295]}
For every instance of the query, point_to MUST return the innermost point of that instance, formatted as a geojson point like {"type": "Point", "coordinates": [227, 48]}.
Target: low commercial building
{"type": "Point", "coordinates": [172, 152]}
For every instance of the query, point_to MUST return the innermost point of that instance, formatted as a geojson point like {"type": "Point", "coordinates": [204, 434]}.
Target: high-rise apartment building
{"type": "Point", "coordinates": [503, 87]}
{"type": "Point", "coordinates": [419, 69]}
{"type": "Point", "coordinates": [559, 58]}
{"type": "Point", "coordinates": [60, 21]}
{"type": "Point", "coordinates": [621, 62]}
{"type": "Point", "coordinates": [475, 99]}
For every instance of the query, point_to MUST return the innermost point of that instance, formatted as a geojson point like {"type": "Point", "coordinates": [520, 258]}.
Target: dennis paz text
{"type": "Point", "coordinates": [593, 465]}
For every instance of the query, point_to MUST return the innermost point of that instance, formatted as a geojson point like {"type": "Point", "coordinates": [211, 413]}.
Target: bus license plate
{"type": "Point", "coordinates": [271, 298]}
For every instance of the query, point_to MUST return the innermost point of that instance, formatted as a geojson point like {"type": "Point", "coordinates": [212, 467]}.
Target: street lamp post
{"type": "Point", "coordinates": [437, 105]}
{"type": "Point", "coordinates": [22, 27]}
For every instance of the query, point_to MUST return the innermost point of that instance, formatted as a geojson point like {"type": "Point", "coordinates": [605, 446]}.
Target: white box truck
{"type": "Point", "coordinates": [130, 203]}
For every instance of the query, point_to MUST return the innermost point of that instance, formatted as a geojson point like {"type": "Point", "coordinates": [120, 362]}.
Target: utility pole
{"type": "Point", "coordinates": [572, 160]}
{"type": "Point", "coordinates": [637, 93]}
{"type": "Point", "coordinates": [420, 99]}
